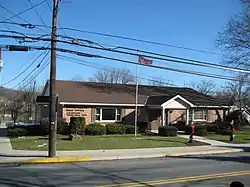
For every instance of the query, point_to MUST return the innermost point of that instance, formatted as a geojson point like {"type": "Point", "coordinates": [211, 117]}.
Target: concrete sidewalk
{"type": "Point", "coordinates": [92, 155]}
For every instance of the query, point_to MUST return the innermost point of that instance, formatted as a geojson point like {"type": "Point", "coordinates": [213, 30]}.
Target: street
{"type": "Point", "coordinates": [214, 170]}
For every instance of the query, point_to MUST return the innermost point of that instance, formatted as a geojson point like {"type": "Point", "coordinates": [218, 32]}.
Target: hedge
{"type": "Point", "coordinates": [77, 125]}
{"type": "Point", "coordinates": [200, 130]}
{"type": "Point", "coordinates": [167, 131]}
{"type": "Point", "coordinates": [212, 127]}
{"type": "Point", "coordinates": [115, 128]}
{"type": "Point", "coordinates": [130, 129]}
{"type": "Point", "coordinates": [62, 126]}
{"type": "Point", "coordinates": [95, 129]}
{"type": "Point", "coordinates": [32, 130]}
{"type": "Point", "coordinates": [180, 125]}
{"type": "Point", "coordinates": [142, 127]}
{"type": "Point", "coordinates": [16, 131]}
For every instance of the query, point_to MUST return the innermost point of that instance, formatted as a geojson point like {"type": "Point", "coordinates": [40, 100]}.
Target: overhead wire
{"type": "Point", "coordinates": [90, 64]}
{"type": "Point", "coordinates": [139, 40]}
{"type": "Point", "coordinates": [32, 78]}
{"type": "Point", "coordinates": [38, 15]}
{"type": "Point", "coordinates": [18, 14]}
{"type": "Point", "coordinates": [123, 37]}
{"type": "Point", "coordinates": [22, 72]}
{"type": "Point", "coordinates": [168, 57]}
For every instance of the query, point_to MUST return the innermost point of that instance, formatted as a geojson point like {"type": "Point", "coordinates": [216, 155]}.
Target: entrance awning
{"type": "Point", "coordinates": [177, 102]}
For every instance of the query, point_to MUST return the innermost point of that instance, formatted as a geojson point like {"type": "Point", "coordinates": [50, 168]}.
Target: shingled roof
{"type": "Point", "coordinates": [105, 93]}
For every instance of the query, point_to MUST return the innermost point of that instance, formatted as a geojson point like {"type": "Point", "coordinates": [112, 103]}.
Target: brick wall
{"type": "Point", "coordinates": [177, 115]}
{"type": "Point", "coordinates": [68, 112]}
{"type": "Point", "coordinates": [127, 113]}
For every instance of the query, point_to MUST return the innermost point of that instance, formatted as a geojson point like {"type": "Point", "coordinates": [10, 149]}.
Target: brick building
{"type": "Point", "coordinates": [109, 103]}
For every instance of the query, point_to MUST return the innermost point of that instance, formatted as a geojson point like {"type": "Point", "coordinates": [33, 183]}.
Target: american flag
{"type": "Point", "coordinates": [145, 61]}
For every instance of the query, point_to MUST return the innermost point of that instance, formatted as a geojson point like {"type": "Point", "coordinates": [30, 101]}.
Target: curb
{"type": "Point", "coordinates": [103, 158]}
{"type": "Point", "coordinates": [54, 160]}
{"type": "Point", "coordinates": [206, 152]}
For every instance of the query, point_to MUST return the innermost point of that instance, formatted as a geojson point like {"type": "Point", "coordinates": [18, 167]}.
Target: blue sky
{"type": "Point", "coordinates": [192, 24]}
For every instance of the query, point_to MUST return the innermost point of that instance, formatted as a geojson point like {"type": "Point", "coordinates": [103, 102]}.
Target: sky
{"type": "Point", "coordinates": [190, 24]}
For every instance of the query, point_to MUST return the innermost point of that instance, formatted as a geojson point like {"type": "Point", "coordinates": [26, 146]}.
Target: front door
{"type": "Point", "coordinates": [154, 118]}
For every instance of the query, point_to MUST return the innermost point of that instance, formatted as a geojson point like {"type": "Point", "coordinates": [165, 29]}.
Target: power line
{"type": "Point", "coordinates": [39, 16]}
{"type": "Point", "coordinates": [139, 40]}
{"type": "Point", "coordinates": [89, 55]}
{"type": "Point", "coordinates": [190, 61]}
{"type": "Point", "coordinates": [22, 72]}
{"type": "Point", "coordinates": [173, 58]}
{"type": "Point", "coordinates": [76, 61]}
{"type": "Point", "coordinates": [125, 38]}
{"type": "Point", "coordinates": [18, 14]}
{"type": "Point", "coordinates": [50, 8]}
{"type": "Point", "coordinates": [196, 63]}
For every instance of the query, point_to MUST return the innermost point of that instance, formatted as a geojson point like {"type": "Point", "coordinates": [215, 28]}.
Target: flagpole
{"type": "Point", "coordinates": [136, 97]}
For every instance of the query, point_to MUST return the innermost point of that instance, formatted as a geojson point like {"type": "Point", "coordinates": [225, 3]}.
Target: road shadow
{"type": "Point", "coordinates": [227, 158]}
{"type": "Point", "coordinates": [114, 178]}
{"type": "Point", "coordinates": [245, 148]}
{"type": "Point", "coordinates": [23, 156]}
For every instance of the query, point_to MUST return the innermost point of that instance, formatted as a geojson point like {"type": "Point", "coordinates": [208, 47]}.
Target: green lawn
{"type": "Point", "coordinates": [242, 136]}
{"type": "Point", "coordinates": [99, 142]}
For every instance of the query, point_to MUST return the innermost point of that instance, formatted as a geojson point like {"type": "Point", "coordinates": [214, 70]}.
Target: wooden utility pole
{"type": "Point", "coordinates": [52, 116]}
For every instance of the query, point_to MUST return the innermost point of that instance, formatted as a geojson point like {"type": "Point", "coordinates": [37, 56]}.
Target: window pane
{"type": "Point", "coordinates": [97, 114]}
{"type": "Point", "coordinates": [198, 114]}
{"type": "Point", "coordinates": [108, 114]}
{"type": "Point", "coordinates": [118, 114]}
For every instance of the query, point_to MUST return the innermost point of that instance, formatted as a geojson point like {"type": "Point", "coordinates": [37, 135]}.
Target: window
{"type": "Point", "coordinates": [108, 114]}
{"type": "Point", "coordinates": [200, 115]}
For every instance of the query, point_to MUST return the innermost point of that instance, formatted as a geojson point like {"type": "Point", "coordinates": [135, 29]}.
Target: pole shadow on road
{"type": "Point", "coordinates": [240, 159]}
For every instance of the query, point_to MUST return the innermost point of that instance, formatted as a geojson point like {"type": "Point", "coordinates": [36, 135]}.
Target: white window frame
{"type": "Point", "coordinates": [204, 112]}
{"type": "Point", "coordinates": [109, 121]}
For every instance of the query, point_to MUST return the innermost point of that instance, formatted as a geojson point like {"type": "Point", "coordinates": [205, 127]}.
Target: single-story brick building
{"type": "Point", "coordinates": [109, 103]}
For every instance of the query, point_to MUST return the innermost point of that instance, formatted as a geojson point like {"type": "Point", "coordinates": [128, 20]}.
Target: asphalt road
{"type": "Point", "coordinates": [207, 171]}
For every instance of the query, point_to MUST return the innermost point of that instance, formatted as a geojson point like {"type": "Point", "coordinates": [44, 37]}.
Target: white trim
{"type": "Point", "coordinates": [99, 104]}
{"type": "Point", "coordinates": [175, 97]}
{"type": "Point", "coordinates": [108, 121]}
{"type": "Point", "coordinates": [211, 107]}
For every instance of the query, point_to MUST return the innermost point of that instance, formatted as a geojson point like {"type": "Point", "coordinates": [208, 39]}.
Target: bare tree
{"type": "Point", "coordinates": [115, 76]}
{"type": "Point", "coordinates": [235, 39]}
{"type": "Point", "coordinates": [156, 81]}
{"type": "Point", "coordinates": [28, 95]}
{"type": "Point", "coordinates": [239, 90]}
{"type": "Point", "coordinates": [204, 86]}
{"type": "Point", "coordinates": [15, 108]}
{"type": "Point", "coordinates": [23, 105]}
{"type": "Point", "coordinates": [77, 78]}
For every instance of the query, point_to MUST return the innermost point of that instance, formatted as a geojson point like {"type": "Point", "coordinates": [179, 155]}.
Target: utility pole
{"type": "Point", "coordinates": [52, 108]}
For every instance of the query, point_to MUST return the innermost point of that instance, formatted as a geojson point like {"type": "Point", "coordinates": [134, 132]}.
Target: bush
{"type": "Point", "coordinates": [61, 125]}
{"type": "Point", "coordinates": [130, 129]}
{"type": "Point", "coordinates": [77, 125]}
{"type": "Point", "coordinates": [223, 132]}
{"type": "Point", "coordinates": [142, 127]}
{"type": "Point", "coordinates": [225, 125]}
{"type": "Point", "coordinates": [167, 131]}
{"type": "Point", "coordinates": [200, 130]}
{"type": "Point", "coordinates": [16, 131]}
{"type": "Point", "coordinates": [115, 129]}
{"type": "Point", "coordinates": [95, 129]}
{"type": "Point", "coordinates": [180, 125]}
{"type": "Point", "coordinates": [212, 127]}
{"type": "Point", "coordinates": [35, 130]}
